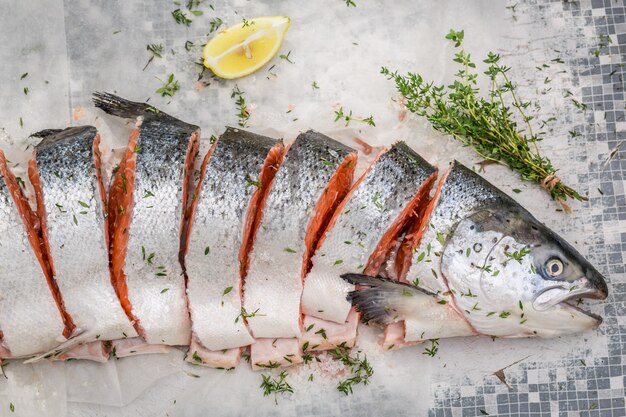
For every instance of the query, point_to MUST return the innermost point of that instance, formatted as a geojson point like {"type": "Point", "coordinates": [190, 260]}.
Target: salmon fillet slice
{"type": "Point", "coordinates": [273, 353]}
{"type": "Point", "coordinates": [71, 205]}
{"type": "Point", "coordinates": [313, 179]}
{"type": "Point", "coordinates": [31, 308]}
{"type": "Point", "coordinates": [365, 227]}
{"type": "Point", "coordinates": [326, 335]}
{"type": "Point", "coordinates": [229, 199]}
{"type": "Point", "coordinates": [219, 359]}
{"type": "Point", "coordinates": [147, 208]}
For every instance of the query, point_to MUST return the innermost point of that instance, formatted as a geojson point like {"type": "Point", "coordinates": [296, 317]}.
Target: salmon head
{"type": "Point", "coordinates": [512, 276]}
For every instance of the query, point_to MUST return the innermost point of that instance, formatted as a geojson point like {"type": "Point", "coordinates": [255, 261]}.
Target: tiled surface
{"type": "Point", "coordinates": [577, 387]}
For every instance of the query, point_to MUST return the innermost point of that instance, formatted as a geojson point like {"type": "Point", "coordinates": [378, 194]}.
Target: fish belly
{"type": "Point", "coordinates": [272, 353]}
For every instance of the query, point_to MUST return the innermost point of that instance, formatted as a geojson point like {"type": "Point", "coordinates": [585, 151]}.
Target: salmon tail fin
{"type": "Point", "coordinates": [386, 301]}
{"type": "Point", "coordinates": [120, 107]}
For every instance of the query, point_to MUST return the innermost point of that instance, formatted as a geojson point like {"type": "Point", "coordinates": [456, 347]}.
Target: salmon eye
{"type": "Point", "coordinates": [554, 267]}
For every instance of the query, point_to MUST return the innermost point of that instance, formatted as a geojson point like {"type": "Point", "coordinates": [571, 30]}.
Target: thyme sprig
{"type": "Point", "coordinates": [276, 386]}
{"type": "Point", "coordinates": [169, 88]}
{"type": "Point", "coordinates": [181, 18]}
{"type": "Point", "coordinates": [243, 114]}
{"type": "Point", "coordinates": [485, 124]}
{"type": "Point", "coordinates": [360, 369]}
{"type": "Point", "coordinates": [340, 115]}
{"type": "Point", "coordinates": [156, 50]}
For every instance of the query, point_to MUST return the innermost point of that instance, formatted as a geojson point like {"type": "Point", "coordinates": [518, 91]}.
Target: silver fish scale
{"type": "Point", "coordinates": [212, 261]}
{"type": "Point", "coordinates": [376, 202]}
{"type": "Point", "coordinates": [156, 286]}
{"type": "Point", "coordinates": [462, 194]}
{"type": "Point", "coordinates": [29, 318]}
{"type": "Point", "coordinates": [273, 284]}
{"type": "Point", "coordinates": [75, 225]}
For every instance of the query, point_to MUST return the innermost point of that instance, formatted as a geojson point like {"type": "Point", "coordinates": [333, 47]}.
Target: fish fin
{"type": "Point", "coordinates": [45, 132]}
{"type": "Point", "coordinates": [118, 106]}
{"type": "Point", "coordinates": [53, 136]}
{"type": "Point", "coordinates": [385, 301]}
{"type": "Point", "coordinates": [80, 336]}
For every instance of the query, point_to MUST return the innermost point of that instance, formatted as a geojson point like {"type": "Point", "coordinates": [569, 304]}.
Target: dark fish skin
{"type": "Point", "coordinates": [291, 226]}
{"type": "Point", "coordinates": [70, 203]}
{"type": "Point", "coordinates": [221, 230]}
{"type": "Point", "coordinates": [147, 234]}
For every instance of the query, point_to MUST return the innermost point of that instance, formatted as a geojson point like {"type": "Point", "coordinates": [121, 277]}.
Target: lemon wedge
{"type": "Point", "coordinates": [245, 47]}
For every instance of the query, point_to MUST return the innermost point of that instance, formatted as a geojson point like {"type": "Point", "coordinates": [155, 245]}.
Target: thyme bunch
{"type": "Point", "coordinates": [487, 125]}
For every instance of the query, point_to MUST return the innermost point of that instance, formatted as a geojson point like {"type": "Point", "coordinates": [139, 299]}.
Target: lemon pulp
{"type": "Point", "coordinates": [245, 47]}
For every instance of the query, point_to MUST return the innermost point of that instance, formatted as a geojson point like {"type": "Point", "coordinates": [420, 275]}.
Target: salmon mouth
{"type": "Point", "coordinates": [569, 299]}
{"type": "Point", "coordinates": [573, 304]}
{"type": "Point", "coordinates": [575, 298]}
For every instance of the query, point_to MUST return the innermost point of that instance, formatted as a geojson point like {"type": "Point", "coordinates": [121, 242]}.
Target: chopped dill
{"type": "Point", "coordinates": [251, 182]}
{"type": "Point", "coordinates": [155, 50]}
{"type": "Point", "coordinates": [215, 23]}
{"type": "Point", "coordinates": [181, 18]}
{"type": "Point", "coordinates": [434, 348]}
{"type": "Point", "coordinates": [286, 57]}
{"type": "Point", "coordinates": [246, 22]}
{"type": "Point", "coordinates": [245, 315]}
{"type": "Point", "coordinates": [518, 255]}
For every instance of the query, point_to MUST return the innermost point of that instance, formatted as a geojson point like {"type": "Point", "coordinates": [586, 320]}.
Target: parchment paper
{"type": "Point", "coordinates": [71, 48]}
